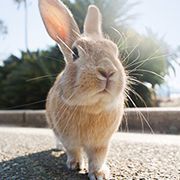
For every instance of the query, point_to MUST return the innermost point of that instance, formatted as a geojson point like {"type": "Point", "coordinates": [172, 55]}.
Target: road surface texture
{"type": "Point", "coordinates": [27, 153]}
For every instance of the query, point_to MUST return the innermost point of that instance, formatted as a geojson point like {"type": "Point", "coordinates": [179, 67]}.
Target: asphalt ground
{"type": "Point", "coordinates": [27, 153]}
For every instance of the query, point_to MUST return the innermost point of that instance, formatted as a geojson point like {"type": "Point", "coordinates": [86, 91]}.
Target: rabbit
{"type": "Point", "coordinates": [86, 103]}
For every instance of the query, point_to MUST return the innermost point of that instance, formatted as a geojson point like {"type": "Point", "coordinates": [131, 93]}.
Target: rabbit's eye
{"type": "Point", "coordinates": [75, 53]}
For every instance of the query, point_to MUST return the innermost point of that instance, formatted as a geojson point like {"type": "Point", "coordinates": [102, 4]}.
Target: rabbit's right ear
{"type": "Point", "coordinates": [59, 23]}
{"type": "Point", "coordinates": [93, 22]}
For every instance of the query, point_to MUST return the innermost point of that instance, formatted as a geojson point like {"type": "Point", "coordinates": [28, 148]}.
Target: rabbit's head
{"type": "Point", "coordinates": [93, 74]}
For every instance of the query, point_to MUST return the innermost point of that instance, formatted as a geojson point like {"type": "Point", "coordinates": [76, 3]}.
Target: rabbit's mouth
{"type": "Point", "coordinates": [106, 87]}
{"type": "Point", "coordinates": [105, 91]}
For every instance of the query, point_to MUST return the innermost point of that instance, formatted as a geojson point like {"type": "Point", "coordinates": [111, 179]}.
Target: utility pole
{"type": "Point", "coordinates": [26, 24]}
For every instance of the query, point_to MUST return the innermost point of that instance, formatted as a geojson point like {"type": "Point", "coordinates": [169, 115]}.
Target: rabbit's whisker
{"type": "Point", "coordinates": [26, 105]}
{"type": "Point", "coordinates": [76, 33]}
{"type": "Point", "coordinates": [41, 77]}
{"type": "Point", "coordinates": [126, 59]}
{"type": "Point", "coordinates": [70, 117]}
{"type": "Point", "coordinates": [151, 72]}
{"type": "Point", "coordinates": [135, 81]}
{"type": "Point", "coordinates": [82, 49]}
{"type": "Point", "coordinates": [51, 58]}
{"type": "Point", "coordinates": [61, 108]}
{"type": "Point", "coordinates": [62, 42]}
{"type": "Point", "coordinates": [122, 36]}
{"type": "Point", "coordinates": [134, 61]}
{"type": "Point", "coordinates": [141, 116]}
{"type": "Point", "coordinates": [148, 58]}
{"type": "Point", "coordinates": [138, 95]}
{"type": "Point", "coordinates": [126, 121]}
{"type": "Point", "coordinates": [119, 33]}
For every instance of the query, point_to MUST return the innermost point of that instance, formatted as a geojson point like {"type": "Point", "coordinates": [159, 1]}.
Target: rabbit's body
{"type": "Point", "coordinates": [81, 126]}
{"type": "Point", "coordinates": [85, 105]}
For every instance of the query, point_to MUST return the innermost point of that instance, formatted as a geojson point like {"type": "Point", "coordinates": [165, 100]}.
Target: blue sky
{"type": "Point", "coordinates": [14, 19]}
{"type": "Point", "coordinates": [162, 16]}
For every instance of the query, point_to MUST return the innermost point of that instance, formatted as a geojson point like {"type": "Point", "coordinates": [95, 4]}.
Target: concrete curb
{"type": "Point", "coordinates": [24, 118]}
{"type": "Point", "coordinates": [160, 120]}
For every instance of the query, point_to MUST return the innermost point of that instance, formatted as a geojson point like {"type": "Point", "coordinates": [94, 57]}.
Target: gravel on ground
{"type": "Point", "coordinates": [27, 153]}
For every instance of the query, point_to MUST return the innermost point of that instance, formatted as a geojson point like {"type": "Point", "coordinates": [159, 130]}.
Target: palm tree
{"type": "Point", "coordinates": [19, 2]}
{"type": "Point", "coordinates": [116, 13]}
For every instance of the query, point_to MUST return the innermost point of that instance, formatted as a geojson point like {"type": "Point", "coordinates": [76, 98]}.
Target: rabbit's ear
{"type": "Point", "coordinates": [93, 22]}
{"type": "Point", "coordinates": [59, 23]}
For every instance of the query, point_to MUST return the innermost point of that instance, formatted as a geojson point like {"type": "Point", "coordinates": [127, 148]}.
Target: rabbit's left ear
{"type": "Point", "coordinates": [59, 22]}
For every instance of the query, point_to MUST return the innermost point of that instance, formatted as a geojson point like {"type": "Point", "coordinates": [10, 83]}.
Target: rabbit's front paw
{"type": "Point", "coordinates": [75, 163]}
{"type": "Point", "coordinates": [75, 159]}
{"type": "Point", "coordinates": [100, 175]}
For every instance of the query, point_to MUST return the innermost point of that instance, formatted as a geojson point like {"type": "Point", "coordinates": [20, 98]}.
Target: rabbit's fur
{"type": "Point", "coordinates": [85, 105]}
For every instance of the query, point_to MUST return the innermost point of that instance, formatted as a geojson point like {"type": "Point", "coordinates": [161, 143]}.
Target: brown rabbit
{"type": "Point", "coordinates": [85, 105]}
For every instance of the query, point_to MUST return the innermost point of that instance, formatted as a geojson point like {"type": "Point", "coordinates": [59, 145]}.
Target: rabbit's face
{"type": "Point", "coordinates": [95, 75]}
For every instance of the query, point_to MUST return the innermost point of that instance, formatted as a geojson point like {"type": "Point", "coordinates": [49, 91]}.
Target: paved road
{"type": "Point", "coordinates": [29, 154]}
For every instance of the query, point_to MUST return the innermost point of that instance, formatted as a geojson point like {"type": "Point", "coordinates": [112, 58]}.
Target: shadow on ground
{"type": "Point", "coordinates": [43, 165]}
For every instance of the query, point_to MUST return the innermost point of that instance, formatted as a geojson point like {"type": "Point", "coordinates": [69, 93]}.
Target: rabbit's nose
{"type": "Point", "coordinates": [104, 73]}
